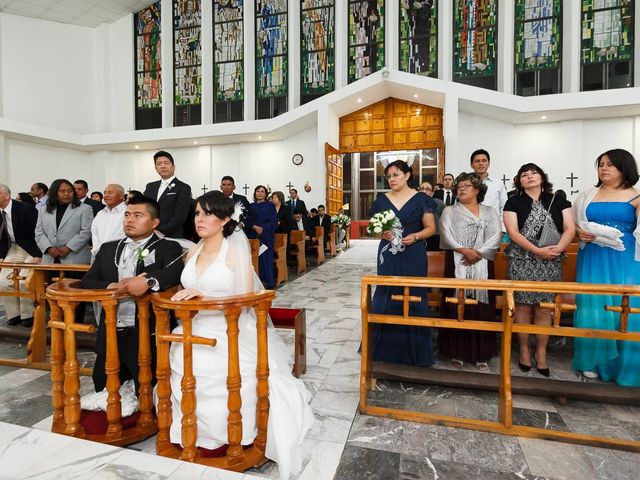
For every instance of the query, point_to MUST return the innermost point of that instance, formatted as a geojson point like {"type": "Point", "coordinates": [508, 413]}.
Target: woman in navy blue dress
{"type": "Point", "coordinates": [399, 343]}
{"type": "Point", "coordinates": [264, 229]}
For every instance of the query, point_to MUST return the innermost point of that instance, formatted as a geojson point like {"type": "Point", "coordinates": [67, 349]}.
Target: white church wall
{"type": "Point", "coordinates": [120, 94]}
{"type": "Point", "coordinates": [48, 73]}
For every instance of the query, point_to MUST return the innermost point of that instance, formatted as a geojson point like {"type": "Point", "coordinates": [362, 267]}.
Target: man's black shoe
{"type": "Point", "coordinates": [27, 322]}
{"type": "Point", "coordinates": [14, 321]}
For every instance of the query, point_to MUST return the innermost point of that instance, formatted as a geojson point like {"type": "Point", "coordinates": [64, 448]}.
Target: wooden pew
{"type": "Point", "coordinates": [237, 456]}
{"type": "Point", "coordinates": [280, 258]}
{"type": "Point", "coordinates": [332, 247]}
{"type": "Point", "coordinates": [36, 283]}
{"type": "Point", "coordinates": [435, 268]}
{"type": "Point", "coordinates": [296, 319]}
{"type": "Point", "coordinates": [254, 243]}
{"type": "Point", "coordinates": [347, 237]}
{"type": "Point", "coordinates": [63, 297]}
{"type": "Point", "coordinates": [297, 248]}
{"type": "Point", "coordinates": [317, 245]}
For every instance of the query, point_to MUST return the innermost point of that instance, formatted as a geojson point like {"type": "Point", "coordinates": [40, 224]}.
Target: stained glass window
{"type": "Point", "coordinates": [538, 44]}
{"type": "Point", "coordinates": [228, 38]}
{"type": "Point", "coordinates": [148, 67]}
{"type": "Point", "coordinates": [475, 39]}
{"type": "Point", "coordinates": [607, 44]}
{"type": "Point", "coordinates": [187, 58]}
{"type": "Point", "coordinates": [271, 57]}
{"type": "Point", "coordinates": [317, 48]}
{"type": "Point", "coordinates": [366, 38]}
{"type": "Point", "coordinates": [419, 37]}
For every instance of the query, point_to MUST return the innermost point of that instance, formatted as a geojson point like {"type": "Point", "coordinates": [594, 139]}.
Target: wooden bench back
{"type": "Point", "coordinates": [255, 249]}
{"type": "Point", "coordinates": [237, 457]}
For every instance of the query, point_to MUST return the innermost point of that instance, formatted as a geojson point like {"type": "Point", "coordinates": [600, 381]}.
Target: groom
{"type": "Point", "coordinates": [139, 263]}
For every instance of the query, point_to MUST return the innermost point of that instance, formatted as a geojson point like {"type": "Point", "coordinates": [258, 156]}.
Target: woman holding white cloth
{"type": "Point", "coordinates": [608, 220]}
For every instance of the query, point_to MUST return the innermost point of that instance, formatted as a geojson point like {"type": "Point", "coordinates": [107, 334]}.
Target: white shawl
{"type": "Point", "coordinates": [580, 215]}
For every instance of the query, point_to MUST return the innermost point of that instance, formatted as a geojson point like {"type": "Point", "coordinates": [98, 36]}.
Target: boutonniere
{"type": "Point", "coordinates": [142, 253]}
{"type": "Point", "coordinates": [171, 186]}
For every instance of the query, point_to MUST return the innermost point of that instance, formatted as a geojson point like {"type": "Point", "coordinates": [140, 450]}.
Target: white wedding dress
{"type": "Point", "coordinates": [290, 415]}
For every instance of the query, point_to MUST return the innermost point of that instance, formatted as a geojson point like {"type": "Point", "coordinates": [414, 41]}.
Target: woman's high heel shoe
{"type": "Point", "coordinates": [523, 367]}
{"type": "Point", "coordinates": [544, 371]}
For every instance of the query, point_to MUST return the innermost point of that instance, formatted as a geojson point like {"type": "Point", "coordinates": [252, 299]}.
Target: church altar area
{"type": "Point", "coordinates": [342, 444]}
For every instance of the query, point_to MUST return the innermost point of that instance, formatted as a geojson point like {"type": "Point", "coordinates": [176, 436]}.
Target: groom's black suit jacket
{"type": "Point", "coordinates": [103, 272]}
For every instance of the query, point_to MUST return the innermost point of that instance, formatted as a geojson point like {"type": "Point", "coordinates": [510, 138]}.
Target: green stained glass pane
{"type": "Point", "coordinates": [366, 38]}
{"type": "Point", "coordinates": [538, 39]}
{"type": "Point", "coordinates": [475, 38]}
{"type": "Point", "coordinates": [317, 46]}
{"type": "Point", "coordinates": [271, 48]}
{"type": "Point", "coordinates": [607, 31]}
{"type": "Point", "coordinates": [418, 37]}
{"type": "Point", "coordinates": [228, 40]}
{"type": "Point", "coordinates": [187, 52]}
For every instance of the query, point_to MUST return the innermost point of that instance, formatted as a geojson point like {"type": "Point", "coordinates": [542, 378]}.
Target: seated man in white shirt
{"type": "Point", "coordinates": [107, 226]}
{"type": "Point", "coordinates": [496, 195]}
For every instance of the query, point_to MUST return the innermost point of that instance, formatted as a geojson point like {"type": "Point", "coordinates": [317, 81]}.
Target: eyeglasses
{"type": "Point", "coordinates": [464, 186]}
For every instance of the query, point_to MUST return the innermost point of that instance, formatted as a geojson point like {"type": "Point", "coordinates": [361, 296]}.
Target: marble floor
{"type": "Point", "coordinates": [342, 443]}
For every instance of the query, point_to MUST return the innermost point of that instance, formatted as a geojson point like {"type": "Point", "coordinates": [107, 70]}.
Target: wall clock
{"type": "Point", "coordinates": [297, 159]}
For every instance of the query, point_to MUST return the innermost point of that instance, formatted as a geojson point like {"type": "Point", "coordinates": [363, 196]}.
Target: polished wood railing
{"type": "Point", "coordinates": [36, 283]}
{"type": "Point", "coordinates": [64, 296]}
{"type": "Point", "coordinates": [237, 457]}
{"type": "Point", "coordinates": [506, 328]}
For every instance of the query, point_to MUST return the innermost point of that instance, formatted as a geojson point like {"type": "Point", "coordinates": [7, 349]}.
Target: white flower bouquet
{"type": "Point", "coordinates": [385, 221]}
{"type": "Point", "coordinates": [341, 220]}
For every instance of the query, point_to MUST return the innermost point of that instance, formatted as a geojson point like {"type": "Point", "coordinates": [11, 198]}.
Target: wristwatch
{"type": "Point", "coordinates": [152, 282]}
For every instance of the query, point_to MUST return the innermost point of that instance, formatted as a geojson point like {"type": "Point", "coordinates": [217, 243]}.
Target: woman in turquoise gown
{"type": "Point", "coordinates": [401, 343]}
{"type": "Point", "coordinates": [614, 203]}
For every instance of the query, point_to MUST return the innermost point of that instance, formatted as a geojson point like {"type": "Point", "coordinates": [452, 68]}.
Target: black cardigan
{"type": "Point", "coordinates": [521, 205]}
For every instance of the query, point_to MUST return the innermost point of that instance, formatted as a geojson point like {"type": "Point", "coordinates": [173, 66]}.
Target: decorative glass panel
{"type": "Point", "coordinates": [537, 34]}
{"type": "Point", "coordinates": [317, 46]}
{"type": "Point", "coordinates": [148, 64]}
{"type": "Point", "coordinates": [366, 38]}
{"type": "Point", "coordinates": [607, 30]}
{"type": "Point", "coordinates": [187, 52]}
{"type": "Point", "coordinates": [271, 48]}
{"type": "Point", "coordinates": [419, 37]}
{"type": "Point", "coordinates": [228, 37]}
{"type": "Point", "coordinates": [475, 33]}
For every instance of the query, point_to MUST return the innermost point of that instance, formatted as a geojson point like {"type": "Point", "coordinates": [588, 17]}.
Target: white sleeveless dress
{"type": "Point", "coordinates": [290, 415]}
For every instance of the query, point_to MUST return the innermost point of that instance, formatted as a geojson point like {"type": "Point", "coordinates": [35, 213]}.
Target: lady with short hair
{"type": "Point", "coordinates": [527, 215]}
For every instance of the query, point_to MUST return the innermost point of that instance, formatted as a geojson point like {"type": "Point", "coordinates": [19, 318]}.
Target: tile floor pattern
{"type": "Point", "coordinates": [342, 444]}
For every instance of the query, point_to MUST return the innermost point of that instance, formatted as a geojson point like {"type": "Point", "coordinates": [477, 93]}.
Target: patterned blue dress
{"type": "Point", "coordinates": [399, 343]}
{"type": "Point", "coordinates": [611, 359]}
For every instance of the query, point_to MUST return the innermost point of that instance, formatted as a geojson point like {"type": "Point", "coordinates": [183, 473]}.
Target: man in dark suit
{"type": "Point", "coordinates": [323, 220]}
{"type": "Point", "coordinates": [173, 196]}
{"type": "Point", "coordinates": [82, 189]}
{"type": "Point", "coordinates": [295, 203]}
{"type": "Point", "coordinates": [248, 218]}
{"type": "Point", "coordinates": [17, 244]}
{"type": "Point", "coordinates": [302, 222]}
{"type": "Point", "coordinates": [139, 263]}
{"type": "Point", "coordinates": [446, 194]}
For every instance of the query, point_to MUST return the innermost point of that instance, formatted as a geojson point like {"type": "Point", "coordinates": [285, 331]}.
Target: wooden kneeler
{"type": "Point", "coordinates": [237, 457]}
{"type": "Point", "coordinates": [64, 296]}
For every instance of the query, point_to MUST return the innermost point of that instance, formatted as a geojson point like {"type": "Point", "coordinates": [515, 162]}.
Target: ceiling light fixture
{"type": "Point", "coordinates": [136, 147]}
{"type": "Point", "coordinates": [359, 100]}
{"type": "Point", "coordinates": [543, 117]}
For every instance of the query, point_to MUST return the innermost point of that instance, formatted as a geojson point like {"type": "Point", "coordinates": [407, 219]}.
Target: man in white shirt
{"type": "Point", "coordinates": [108, 224]}
{"type": "Point", "coordinates": [39, 193]}
{"type": "Point", "coordinates": [496, 195]}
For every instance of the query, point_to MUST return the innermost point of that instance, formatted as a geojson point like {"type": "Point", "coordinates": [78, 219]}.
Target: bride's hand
{"type": "Point", "coordinates": [186, 294]}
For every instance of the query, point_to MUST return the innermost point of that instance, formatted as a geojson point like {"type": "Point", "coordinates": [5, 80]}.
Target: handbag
{"type": "Point", "coordinates": [549, 234]}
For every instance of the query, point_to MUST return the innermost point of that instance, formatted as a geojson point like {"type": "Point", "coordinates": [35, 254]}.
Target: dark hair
{"type": "Point", "coordinates": [135, 194]}
{"type": "Point", "coordinates": [52, 202]}
{"type": "Point", "coordinates": [152, 206]}
{"type": "Point", "coordinates": [480, 151]}
{"type": "Point", "coordinates": [400, 165]}
{"type": "Point", "coordinates": [314, 210]}
{"type": "Point", "coordinates": [293, 190]}
{"type": "Point", "coordinates": [321, 206]}
{"type": "Point", "coordinates": [298, 211]}
{"type": "Point", "coordinates": [547, 186]}
{"type": "Point", "coordinates": [162, 153]}
{"type": "Point", "coordinates": [475, 180]}
{"type": "Point", "coordinates": [97, 193]}
{"type": "Point", "coordinates": [216, 203]}
{"type": "Point", "coordinates": [278, 194]}
{"type": "Point", "coordinates": [625, 163]}
{"type": "Point", "coordinates": [228, 177]}
{"type": "Point", "coordinates": [83, 183]}
{"type": "Point", "coordinates": [42, 187]}
{"type": "Point", "coordinates": [449, 175]}
{"type": "Point", "coordinates": [26, 197]}
{"type": "Point", "coordinates": [256, 189]}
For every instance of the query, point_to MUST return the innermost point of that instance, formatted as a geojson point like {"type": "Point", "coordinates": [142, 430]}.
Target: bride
{"type": "Point", "coordinates": [219, 266]}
